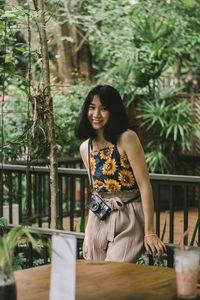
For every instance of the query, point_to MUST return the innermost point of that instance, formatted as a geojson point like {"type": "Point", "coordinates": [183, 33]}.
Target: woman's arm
{"type": "Point", "coordinates": [84, 155]}
{"type": "Point", "coordinates": [132, 148]}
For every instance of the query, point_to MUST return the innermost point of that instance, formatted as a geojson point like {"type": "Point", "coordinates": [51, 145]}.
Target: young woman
{"type": "Point", "coordinates": [120, 177]}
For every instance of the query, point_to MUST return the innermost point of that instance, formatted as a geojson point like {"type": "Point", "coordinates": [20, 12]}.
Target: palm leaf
{"type": "Point", "coordinates": [8, 242]}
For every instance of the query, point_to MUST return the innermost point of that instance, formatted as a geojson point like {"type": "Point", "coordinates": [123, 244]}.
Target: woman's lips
{"type": "Point", "coordinates": [96, 121]}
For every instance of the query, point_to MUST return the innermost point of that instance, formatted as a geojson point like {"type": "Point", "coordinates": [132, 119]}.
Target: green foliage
{"type": "Point", "coordinates": [158, 162]}
{"type": "Point", "coordinates": [14, 121]}
{"type": "Point", "coordinates": [13, 82]}
{"type": "Point", "coordinates": [83, 223]}
{"type": "Point", "coordinates": [67, 105]}
{"type": "Point", "coordinates": [13, 64]}
{"type": "Point", "coordinates": [3, 222]}
{"type": "Point", "coordinates": [171, 123]}
{"type": "Point", "coordinates": [147, 38]}
{"type": "Point", "coordinates": [8, 243]}
{"type": "Point", "coordinates": [133, 46]}
{"type": "Point", "coordinates": [19, 261]}
{"type": "Point", "coordinates": [164, 230]}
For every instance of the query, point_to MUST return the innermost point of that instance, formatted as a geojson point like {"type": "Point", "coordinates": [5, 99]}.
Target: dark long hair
{"type": "Point", "coordinates": [118, 121]}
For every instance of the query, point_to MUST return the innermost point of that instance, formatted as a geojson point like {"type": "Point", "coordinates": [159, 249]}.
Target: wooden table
{"type": "Point", "coordinates": [97, 280]}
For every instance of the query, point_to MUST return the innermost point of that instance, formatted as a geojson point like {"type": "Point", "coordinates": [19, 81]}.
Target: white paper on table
{"type": "Point", "coordinates": [63, 268]}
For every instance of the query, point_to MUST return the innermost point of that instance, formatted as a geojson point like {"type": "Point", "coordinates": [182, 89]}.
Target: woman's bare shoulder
{"type": "Point", "coordinates": [84, 147]}
{"type": "Point", "coordinates": [128, 140]}
{"type": "Point", "coordinates": [128, 136]}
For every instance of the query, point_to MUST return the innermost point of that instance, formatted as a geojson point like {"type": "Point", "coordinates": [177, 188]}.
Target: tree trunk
{"type": "Point", "coordinates": [39, 6]}
{"type": "Point", "coordinates": [84, 59]}
{"type": "Point", "coordinates": [75, 57]}
{"type": "Point", "coordinates": [65, 61]}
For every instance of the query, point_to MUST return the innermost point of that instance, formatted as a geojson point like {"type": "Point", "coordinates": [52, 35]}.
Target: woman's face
{"type": "Point", "coordinates": [98, 114]}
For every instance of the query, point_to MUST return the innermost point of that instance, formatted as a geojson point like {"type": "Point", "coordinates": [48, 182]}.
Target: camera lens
{"type": "Point", "coordinates": [95, 206]}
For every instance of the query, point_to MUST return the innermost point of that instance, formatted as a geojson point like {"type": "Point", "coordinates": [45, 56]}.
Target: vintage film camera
{"type": "Point", "coordinates": [98, 207]}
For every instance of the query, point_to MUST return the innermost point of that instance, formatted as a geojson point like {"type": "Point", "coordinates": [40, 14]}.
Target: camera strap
{"type": "Point", "coordinates": [90, 177]}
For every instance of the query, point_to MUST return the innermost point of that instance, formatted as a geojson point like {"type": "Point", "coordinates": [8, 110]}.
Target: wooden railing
{"type": "Point", "coordinates": [171, 193]}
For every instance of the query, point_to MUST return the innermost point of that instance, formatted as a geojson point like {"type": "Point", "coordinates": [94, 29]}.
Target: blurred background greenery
{"type": "Point", "coordinates": [148, 50]}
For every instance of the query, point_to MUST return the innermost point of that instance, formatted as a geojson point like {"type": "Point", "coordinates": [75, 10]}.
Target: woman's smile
{"type": "Point", "coordinates": [96, 121]}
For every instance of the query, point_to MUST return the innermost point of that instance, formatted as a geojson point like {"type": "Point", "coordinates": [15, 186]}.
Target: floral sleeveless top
{"type": "Point", "coordinates": [110, 171]}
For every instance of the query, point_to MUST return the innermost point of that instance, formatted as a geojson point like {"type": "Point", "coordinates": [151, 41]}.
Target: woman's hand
{"type": "Point", "coordinates": [85, 247]}
{"type": "Point", "coordinates": [153, 244]}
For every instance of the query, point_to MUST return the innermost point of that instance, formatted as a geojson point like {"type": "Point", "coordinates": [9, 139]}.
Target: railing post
{"type": "Point", "coordinates": [10, 197]}
{"type": "Point", "coordinates": [28, 195]}
{"type": "Point", "coordinates": [72, 202]}
{"type": "Point", "coordinates": [60, 199]}
{"type": "Point", "coordinates": [49, 201]}
{"type": "Point", "coordinates": [35, 195]}
{"type": "Point", "coordinates": [82, 196]}
{"type": "Point", "coordinates": [185, 212]}
{"type": "Point", "coordinates": [170, 256]}
{"type": "Point", "coordinates": [40, 210]}
{"type": "Point", "coordinates": [44, 195]}
{"type": "Point", "coordinates": [171, 208]}
{"type": "Point", "coordinates": [19, 196]}
{"type": "Point", "coordinates": [157, 208]}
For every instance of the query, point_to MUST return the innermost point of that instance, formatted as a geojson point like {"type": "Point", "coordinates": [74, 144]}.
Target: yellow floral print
{"type": "Point", "coordinates": [109, 167]}
{"type": "Point", "coordinates": [112, 185]}
{"type": "Point", "coordinates": [92, 165]}
{"type": "Point", "coordinates": [94, 152]}
{"type": "Point", "coordinates": [98, 184]}
{"type": "Point", "coordinates": [124, 162]}
{"type": "Point", "coordinates": [126, 178]}
{"type": "Point", "coordinates": [107, 152]}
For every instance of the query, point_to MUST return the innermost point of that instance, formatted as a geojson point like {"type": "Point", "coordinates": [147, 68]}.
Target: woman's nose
{"type": "Point", "coordinates": [96, 112]}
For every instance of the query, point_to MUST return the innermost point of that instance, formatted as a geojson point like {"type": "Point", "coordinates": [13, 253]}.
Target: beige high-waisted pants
{"type": "Point", "coordinates": [120, 236]}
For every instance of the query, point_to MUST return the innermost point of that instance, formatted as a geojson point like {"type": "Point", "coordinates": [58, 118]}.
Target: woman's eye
{"type": "Point", "coordinates": [104, 109]}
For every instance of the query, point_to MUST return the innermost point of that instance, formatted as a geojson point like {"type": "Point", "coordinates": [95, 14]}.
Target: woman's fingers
{"type": "Point", "coordinates": [148, 249]}
{"type": "Point", "coordinates": [159, 249]}
{"type": "Point", "coordinates": [153, 244]}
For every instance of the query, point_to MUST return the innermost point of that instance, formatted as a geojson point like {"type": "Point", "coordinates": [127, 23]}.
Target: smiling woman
{"type": "Point", "coordinates": [115, 161]}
